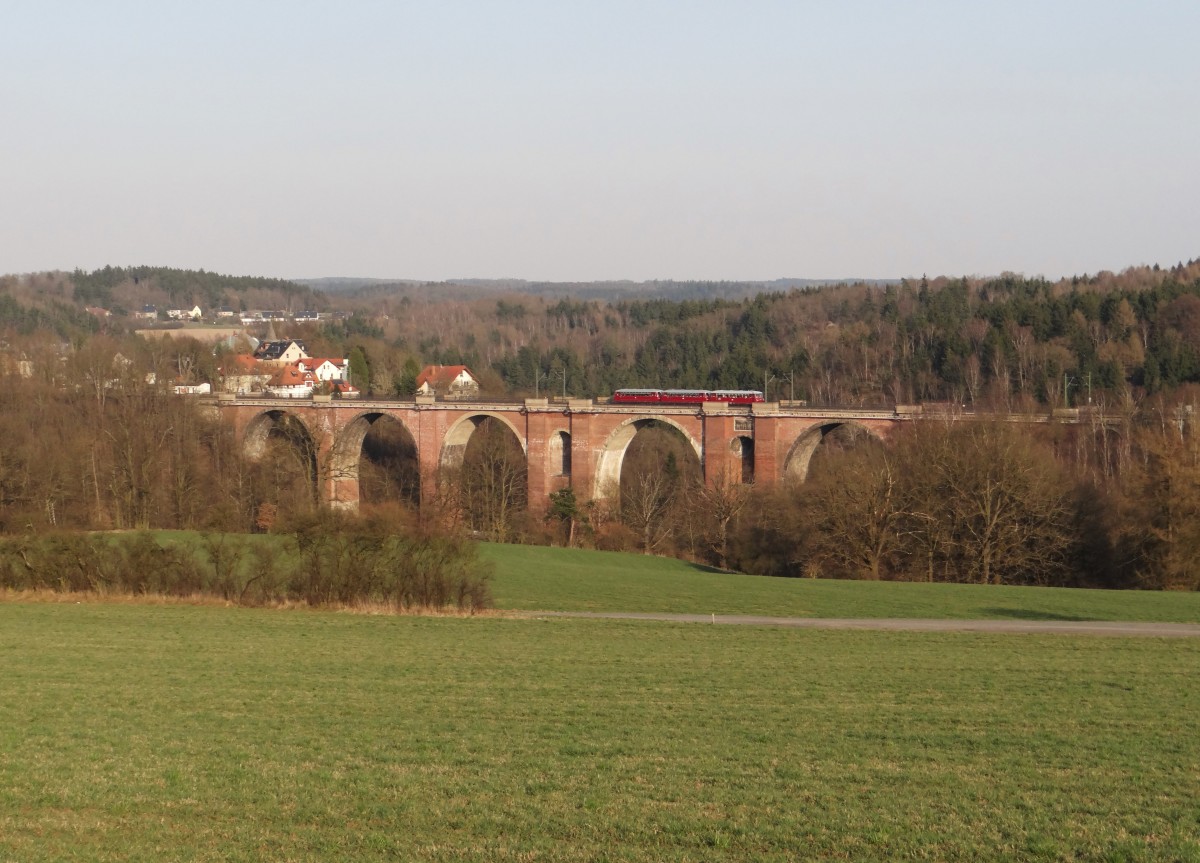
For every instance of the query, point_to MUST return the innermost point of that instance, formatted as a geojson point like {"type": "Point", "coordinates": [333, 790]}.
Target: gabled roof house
{"type": "Point", "coordinates": [449, 381]}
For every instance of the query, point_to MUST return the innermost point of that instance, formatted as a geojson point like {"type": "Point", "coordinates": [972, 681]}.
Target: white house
{"type": "Point", "coordinates": [325, 369]}
{"type": "Point", "coordinates": [281, 351]}
{"type": "Point", "coordinates": [450, 381]}
{"type": "Point", "coordinates": [193, 314]}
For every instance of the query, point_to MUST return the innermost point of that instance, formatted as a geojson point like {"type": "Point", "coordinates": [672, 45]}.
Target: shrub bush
{"type": "Point", "coordinates": [325, 560]}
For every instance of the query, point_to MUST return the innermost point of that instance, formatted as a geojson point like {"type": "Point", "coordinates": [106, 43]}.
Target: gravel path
{"type": "Point", "coordinates": [1061, 627]}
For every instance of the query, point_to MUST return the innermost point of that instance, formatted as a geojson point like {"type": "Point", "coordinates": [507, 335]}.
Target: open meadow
{"type": "Point", "coordinates": [175, 732]}
{"type": "Point", "coordinates": [536, 578]}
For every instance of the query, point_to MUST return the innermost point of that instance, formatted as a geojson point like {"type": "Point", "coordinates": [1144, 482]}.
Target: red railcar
{"type": "Point", "coordinates": [686, 397]}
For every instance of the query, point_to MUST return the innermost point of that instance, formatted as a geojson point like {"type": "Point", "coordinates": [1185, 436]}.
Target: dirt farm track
{"type": "Point", "coordinates": [1042, 627]}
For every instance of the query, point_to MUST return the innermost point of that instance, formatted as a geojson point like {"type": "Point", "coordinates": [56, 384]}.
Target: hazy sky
{"type": "Point", "coordinates": [605, 140]}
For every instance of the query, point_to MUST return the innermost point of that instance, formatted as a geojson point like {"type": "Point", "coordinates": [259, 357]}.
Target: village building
{"type": "Point", "coordinates": [291, 383]}
{"type": "Point", "coordinates": [192, 314]}
{"type": "Point", "coordinates": [326, 369]}
{"type": "Point", "coordinates": [281, 351]}
{"type": "Point", "coordinates": [15, 363]}
{"type": "Point", "coordinates": [243, 374]}
{"type": "Point", "coordinates": [452, 382]}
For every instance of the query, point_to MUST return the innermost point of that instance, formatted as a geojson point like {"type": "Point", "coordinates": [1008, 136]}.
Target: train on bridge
{"type": "Point", "coordinates": [685, 397]}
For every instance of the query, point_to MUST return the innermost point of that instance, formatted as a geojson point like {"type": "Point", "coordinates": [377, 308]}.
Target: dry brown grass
{"type": "Point", "coordinates": [79, 597]}
{"type": "Point", "coordinates": [150, 599]}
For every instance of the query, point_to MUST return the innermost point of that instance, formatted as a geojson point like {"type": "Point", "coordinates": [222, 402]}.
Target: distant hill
{"type": "Point", "coordinates": [58, 301]}
{"type": "Point", "coordinates": [124, 288]}
{"type": "Point", "coordinates": [612, 291]}
{"type": "Point", "coordinates": [348, 284]}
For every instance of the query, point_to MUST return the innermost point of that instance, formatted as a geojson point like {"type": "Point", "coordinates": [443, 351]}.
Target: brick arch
{"type": "Point", "coordinates": [612, 453]}
{"type": "Point", "coordinates": [454, 442]}
{"type": "Point", "coordinates": [346, 452]}
{"type": "Point", "coordinates": [259, 427]}
{"type": "Point", "coordinates": [795, 465]}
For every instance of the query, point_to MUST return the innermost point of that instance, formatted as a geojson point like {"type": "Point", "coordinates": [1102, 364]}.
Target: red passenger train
{"type": "Point", "coordinates": [686, 397]}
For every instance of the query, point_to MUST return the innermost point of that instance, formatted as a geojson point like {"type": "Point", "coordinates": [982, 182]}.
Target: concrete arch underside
{"type": "Point", "coordinates": [799, 457]}
{"type": "Point", "coordinates": [612, 455]}
{"type": "Point", "coordinates": [346, 453]}
{"type": "Point", "coordinates": [454, 443]}
{"type": "Point", "coordinates": [259, 428]}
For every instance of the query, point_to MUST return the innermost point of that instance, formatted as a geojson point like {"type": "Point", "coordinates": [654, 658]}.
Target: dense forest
{"type": "Point", "coordinates": [1005, 342]}
{"type": "Point", "coordinates": [1002, 342]}
{"type": "Point", "coordinates": [93, 442]}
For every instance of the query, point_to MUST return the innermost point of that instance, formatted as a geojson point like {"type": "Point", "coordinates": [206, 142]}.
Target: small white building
{"type": "Point", "coordinates": [326, 369]}
{"type": "Point", "coordinates": [192, 314]}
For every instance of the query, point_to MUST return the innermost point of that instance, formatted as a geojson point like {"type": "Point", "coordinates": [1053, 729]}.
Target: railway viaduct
{"type": "Point", "coordinates": [576, 443]}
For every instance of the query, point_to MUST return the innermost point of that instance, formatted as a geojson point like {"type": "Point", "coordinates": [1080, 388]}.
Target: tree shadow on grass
{"type": "Point", "coordinates": [1030, 614]}
{"type": "Point", "coordinates": [700, 567]}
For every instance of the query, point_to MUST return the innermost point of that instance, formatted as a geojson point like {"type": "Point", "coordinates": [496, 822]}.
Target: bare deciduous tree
{"type": "Point", "coordinates": [645, 502]}
{"type": "Point", "coordinates": [858, 506]}
{"type": "Point", "coordinates": [493, 480]}
{"type": "Point", "coordinates": [719, 502]}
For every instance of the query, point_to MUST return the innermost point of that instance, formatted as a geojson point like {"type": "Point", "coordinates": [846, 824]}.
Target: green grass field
{"type": "Point", "coordinates": [555, 579]}
{"type": "Point", "coordinates": [150, 733]}
{"type": "Point", "coordinates": [537, 578]}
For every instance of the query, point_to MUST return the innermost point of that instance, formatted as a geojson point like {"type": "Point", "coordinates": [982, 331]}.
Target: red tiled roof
{"type": "Point", "coordinates": [290, 377]}
{"type": "Point", "coordinates": [240, 363]}
{"type": "Point", "coordinates": [439, 375]}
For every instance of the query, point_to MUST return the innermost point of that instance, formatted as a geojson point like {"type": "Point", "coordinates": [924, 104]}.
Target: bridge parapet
{"type": "Point", "coordinates": [795, 409]}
